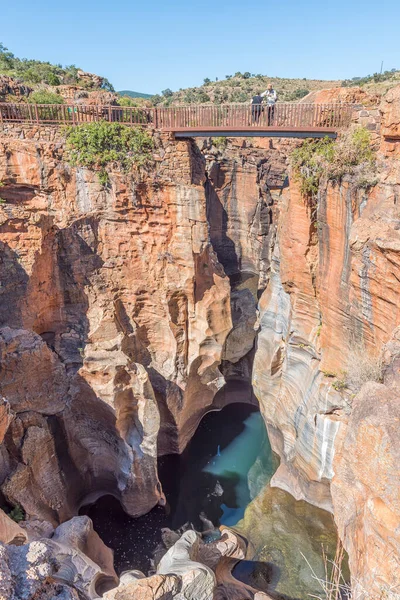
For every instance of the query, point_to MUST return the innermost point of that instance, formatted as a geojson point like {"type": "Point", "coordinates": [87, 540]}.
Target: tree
{"type": "Point", "coordinates": [156, 99]}
{"type": "Point", "coordinates": [228, 76]}
{"type": "Point", "coordinates": [207, 80]}
{"type": "Point", "coordinates": [6, 58]}
{"type": "Point", "coordinates": [246, 75]}
{"type": "Point", "coordinates": [106, 85]}
{"type": "Point", "coordinates": [167, 93]}
{"type": "Point", "coordinates": [238, 74]}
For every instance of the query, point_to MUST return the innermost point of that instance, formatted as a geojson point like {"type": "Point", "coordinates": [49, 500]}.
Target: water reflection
{"type": "Point", "coordinates": [284, 532]}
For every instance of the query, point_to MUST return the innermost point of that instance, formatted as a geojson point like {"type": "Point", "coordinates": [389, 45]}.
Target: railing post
{"type": "Point", "coordinates": [109, 113]}
{"type": "Point", "coordinates": [155, 118]}
{"type": "Point", "coordinates": [37, 114]}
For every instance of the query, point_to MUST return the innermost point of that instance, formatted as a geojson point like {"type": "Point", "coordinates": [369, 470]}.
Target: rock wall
{"type": "Point", "coordinates": [125, 311]}
{"type": "Point", "coordinates": [114, 311]}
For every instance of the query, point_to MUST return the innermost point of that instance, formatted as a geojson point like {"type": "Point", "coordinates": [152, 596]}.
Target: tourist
{"type": "Point", "coordinates": [271, 97]}
{"type": "Point", "coordinates": [256, 107]}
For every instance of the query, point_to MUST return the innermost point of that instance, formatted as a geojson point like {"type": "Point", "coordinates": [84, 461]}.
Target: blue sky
{"type": "Point", "coordinates": [150, 45]}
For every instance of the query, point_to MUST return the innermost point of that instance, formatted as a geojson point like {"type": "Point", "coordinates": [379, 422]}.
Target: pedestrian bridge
{"type": "Point", "coordinates": [216, 120]}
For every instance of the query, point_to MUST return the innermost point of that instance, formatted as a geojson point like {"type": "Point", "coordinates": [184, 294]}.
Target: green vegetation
{"type": "Point", "coordinates": [339, 384]}
{"type": "Point", "coordinates": [36, 71]}
{"type": "Point", "coordinates": [45, 97]}
{"type": "Point", "coordinates": [220, 142]}
{"type": "Point", "coordinates": [375, 78]}
{"type": "Point", "coordinates": [296, 94]}
{"type": "Point", "coordinates": [17, 513]}
{"type": "Point", "coordinates": [98, 145]}
{"type": "Point", "coordinates": [2, 201]}
{"type": "Point", "coordinates": [129, 101]}
{"type": "Point", "coordinates": [326, 159]}
{"type": "Point", "coordinates": [240, 87]}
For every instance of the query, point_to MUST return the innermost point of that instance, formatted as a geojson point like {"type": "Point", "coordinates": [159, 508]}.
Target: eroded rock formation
{"type": "Point", "coordinates": [125, 310]}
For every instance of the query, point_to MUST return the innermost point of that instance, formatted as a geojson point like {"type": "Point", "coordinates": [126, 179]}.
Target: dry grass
{"type": "Point", "coordinates": [361, 368]}
{"type": "Point", "coordinates": [335, 587]}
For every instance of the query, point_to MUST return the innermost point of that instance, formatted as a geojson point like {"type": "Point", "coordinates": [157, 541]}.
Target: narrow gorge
{"type": "Point", "coordinates": [188, 355]}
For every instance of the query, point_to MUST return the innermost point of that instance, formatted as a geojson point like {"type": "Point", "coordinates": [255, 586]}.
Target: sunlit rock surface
{"type": "Point", "coordinates": [366, 486]}
{"type": "Point", "coordinates": [125, 310]}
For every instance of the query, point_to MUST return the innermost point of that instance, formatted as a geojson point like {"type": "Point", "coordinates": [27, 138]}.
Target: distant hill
{"type": "Point", "coordinates": [133, 94]}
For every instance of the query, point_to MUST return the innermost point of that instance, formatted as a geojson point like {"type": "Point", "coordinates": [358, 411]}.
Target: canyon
{"type": "Point", "coordinates": [130, 311]}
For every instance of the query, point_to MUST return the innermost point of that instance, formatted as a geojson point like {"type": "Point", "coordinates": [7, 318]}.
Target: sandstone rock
{"type": "Point", "coordinates": [30, 571]}
{"type": "Point", "coordinates": [156, 587]}
{"type": "Point", "coordinates": [78, 534]}
{"type": "Point", "coordinates": [6, 417]}
{"type": "Point", "coordinates": [11, 532]}
{"type": "Point", "coordinates": [391, 114]}
{"type": "Point", "coordinates": [197, 580]}
{"type": "Point", "coordinates": [128, 289]}
{"type": "Point", "coordinates": [365, 490]}
{"type": "Point", "coordinates": [37, 529]}
{"type": "Point", "coordinates": [32, 378]}
{"type": "Point", "coordinates": [73, 565]}
{"type": "Point", "coordinates": [9, 85]}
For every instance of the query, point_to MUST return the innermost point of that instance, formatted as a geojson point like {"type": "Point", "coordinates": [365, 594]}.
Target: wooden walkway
{"type": "Point", "coordinates": [233, 120]}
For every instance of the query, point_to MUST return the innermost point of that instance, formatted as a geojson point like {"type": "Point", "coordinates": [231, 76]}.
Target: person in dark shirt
{"type": "Point", "coordinates": [256, 107]}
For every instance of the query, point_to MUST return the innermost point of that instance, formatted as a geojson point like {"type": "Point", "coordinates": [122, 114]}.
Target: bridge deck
{"type": "Point", "coordinates": [285, 119]}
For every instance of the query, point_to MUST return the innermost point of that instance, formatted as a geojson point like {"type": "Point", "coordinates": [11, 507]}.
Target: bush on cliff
{"type": "Point", "coordinates": [45, 97]}
{"type": "Point", "coordinates": [99, 145]}
{"type": "Point", "coordinates": [324, 159]}
{"type": "Point", "coordinates": [17, 514]}
{"type": "Point", "coordinates": [362, 366]}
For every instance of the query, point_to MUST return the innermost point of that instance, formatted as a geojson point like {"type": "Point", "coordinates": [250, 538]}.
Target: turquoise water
{"type": "Point", "coordinates": [222, 479]}
{"type": "Point", "coordinates": [246, 464]}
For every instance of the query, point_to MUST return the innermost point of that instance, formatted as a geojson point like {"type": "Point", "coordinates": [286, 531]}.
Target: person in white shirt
{"type": "Point", "coordinates": [271, 97]}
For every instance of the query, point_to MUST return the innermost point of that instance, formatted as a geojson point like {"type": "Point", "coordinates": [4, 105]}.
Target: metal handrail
{"type": "Point", "coordinates": [282, 116]}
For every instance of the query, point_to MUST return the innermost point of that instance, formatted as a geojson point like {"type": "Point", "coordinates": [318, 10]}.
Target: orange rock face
{"type": "Point", "coordinates": [366, 486]}
{"type": "Point", "coordinates": [124, 311]}
{"type": "Point", "coordinates": [117, 311]}
{"type": "Point", "coordinates": [390, 109]}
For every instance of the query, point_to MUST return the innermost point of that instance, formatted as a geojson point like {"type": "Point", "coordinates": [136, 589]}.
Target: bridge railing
{"type": "Point", "coordinates": [242, 116]}
{"type": "Point", "coordinates": [283, 116]}
{"type": "Point", "coordinates": [72, 114]}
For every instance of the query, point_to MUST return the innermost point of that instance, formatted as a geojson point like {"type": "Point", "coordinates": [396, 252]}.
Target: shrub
{"type": "Point", "coordinates": [362, 366]}
{"type": "Point", "coordinates": [44, 97]}
{"type": "Point", "coordinates": [220, 142]}
{"type": "Point", "coordinates": [375, 78]}
{"type": "Point", "coordinates": [296, 94]}
{"type": "Point", "coordinates": [97, 145]}
{"type": "Point", "coordinates": [206, 81]}
{"type": "Point", "coordinates": [350, 154]}
{"type": "Point", "coordinates": [127, 101]}
{"type": "Point", "coordinates": [309, 162]}
{"type": "Point", "coordinates": [17, 514]}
